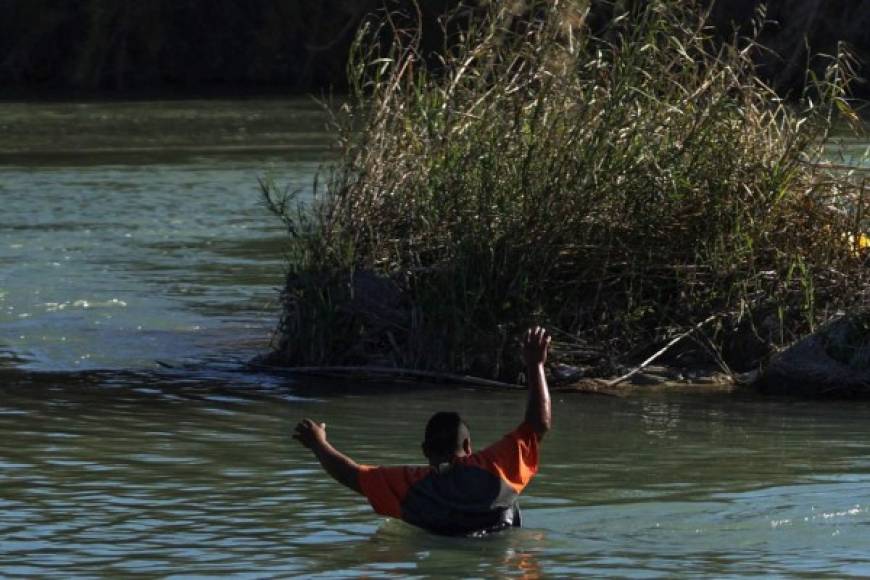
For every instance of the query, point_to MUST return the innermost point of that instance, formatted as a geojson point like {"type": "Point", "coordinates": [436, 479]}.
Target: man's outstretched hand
{"type": "Point", "coordinates": [535, 345]}
{"type": "Point", "coordinates": [310, 434]}
{"type": "Point", "coordinates": [342, 468]}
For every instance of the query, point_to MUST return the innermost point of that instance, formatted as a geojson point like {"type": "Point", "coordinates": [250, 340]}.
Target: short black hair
{"type": "Point", "coordinates": [445, 433]}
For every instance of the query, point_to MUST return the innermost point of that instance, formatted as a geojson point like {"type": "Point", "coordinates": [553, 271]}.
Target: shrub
{"type": "Point", "coordinates": [619, 187]}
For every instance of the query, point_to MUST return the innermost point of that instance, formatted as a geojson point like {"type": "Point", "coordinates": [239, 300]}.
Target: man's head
{"type": "Point", "coordinates": [446, 437]}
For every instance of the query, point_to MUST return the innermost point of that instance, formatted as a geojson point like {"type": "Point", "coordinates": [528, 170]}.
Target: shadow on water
{"type": "Point", "coordinates": [207, 378]}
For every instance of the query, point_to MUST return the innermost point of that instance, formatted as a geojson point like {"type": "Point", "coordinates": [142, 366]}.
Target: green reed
{"type": "Point", "coordinates": [619, 187]}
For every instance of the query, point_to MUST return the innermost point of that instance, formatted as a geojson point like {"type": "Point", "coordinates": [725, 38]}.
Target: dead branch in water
{"type": "Point", "coordinates": [660, 352]}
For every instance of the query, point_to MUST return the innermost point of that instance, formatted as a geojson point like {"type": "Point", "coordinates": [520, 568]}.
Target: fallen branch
{"type": "Point", "coordinates": [662, 351]}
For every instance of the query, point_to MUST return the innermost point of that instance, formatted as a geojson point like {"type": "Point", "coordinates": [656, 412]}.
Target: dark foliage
{"type": "Point", "coordinates": [200, 45]}
{"type": "Point", "coordinates": [127, 45]}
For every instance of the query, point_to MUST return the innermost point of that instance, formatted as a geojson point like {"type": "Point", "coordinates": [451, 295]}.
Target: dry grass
{"type": "Point", "coordinates": [618, 188]}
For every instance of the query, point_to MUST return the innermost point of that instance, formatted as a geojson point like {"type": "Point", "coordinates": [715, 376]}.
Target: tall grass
{"type": "Point", "coordinates": [618, 188]}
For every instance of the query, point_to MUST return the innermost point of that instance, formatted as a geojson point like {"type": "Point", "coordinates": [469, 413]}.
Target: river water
{"type": "Point", "coordinates": [138, 269]}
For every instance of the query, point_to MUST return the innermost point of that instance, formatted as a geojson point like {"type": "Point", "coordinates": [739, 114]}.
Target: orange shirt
{"type": "Point", "coordinates": [471, 494]}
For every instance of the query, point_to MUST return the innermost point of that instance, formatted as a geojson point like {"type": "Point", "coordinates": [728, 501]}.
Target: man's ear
{"type": "Point", "coordinates": [466, 445]}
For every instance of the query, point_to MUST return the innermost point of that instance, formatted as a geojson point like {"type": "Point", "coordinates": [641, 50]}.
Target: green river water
{"type": "Point", "coordinates": [138, 270]}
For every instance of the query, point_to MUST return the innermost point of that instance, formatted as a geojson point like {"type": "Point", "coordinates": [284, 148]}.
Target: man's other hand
{"type": "Point", "coordinates": [310, 434]}
{"type": "Point", "coordinates": [535, 345]}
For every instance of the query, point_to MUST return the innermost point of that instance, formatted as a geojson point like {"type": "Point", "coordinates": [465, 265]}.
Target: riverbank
{"type": "Point", "coordinates": [167, 127]}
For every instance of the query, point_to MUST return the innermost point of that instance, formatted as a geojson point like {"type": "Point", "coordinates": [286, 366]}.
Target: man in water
{"type": "Point", "coordinates": [460, 492]}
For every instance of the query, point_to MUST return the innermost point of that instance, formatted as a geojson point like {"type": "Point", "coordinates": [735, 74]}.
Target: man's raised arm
{"type": "Point", "coordinates": [342, 468]}
{"type": "Point", "coordinates": [535, 345]}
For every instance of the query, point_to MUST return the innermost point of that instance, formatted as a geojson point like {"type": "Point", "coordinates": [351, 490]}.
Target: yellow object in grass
{"type": "Point", "coordinates": [859, 243]}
